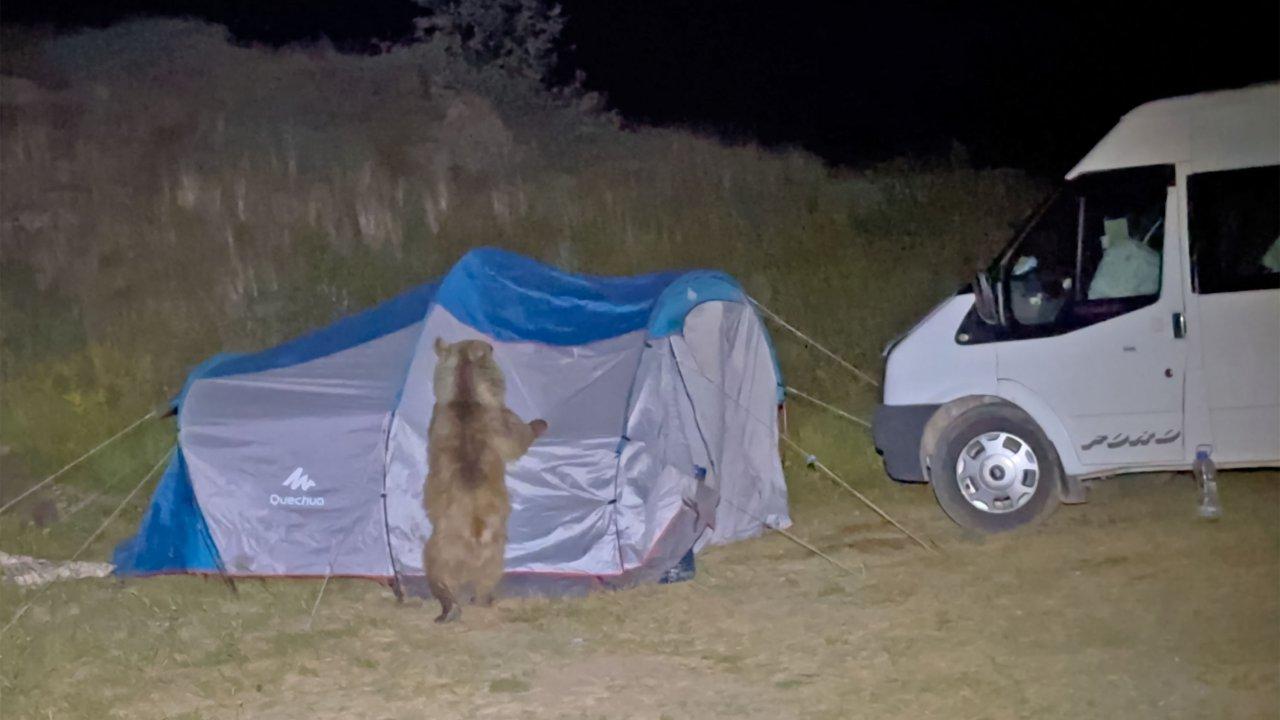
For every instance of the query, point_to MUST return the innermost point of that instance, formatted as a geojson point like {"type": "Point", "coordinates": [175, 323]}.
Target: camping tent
{"type": "Point", "coordinates": [308, 459]}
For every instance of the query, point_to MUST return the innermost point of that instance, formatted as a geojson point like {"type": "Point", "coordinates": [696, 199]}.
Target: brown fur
{"type": "Point", "coordinates": [473, 435]}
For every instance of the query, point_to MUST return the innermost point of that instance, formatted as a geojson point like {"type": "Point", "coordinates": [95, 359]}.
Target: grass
{"type": "Point", "coordinates": [764, 629]}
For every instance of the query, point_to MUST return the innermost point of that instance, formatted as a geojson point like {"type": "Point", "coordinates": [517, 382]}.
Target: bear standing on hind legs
{"type": "Point", "coordinates": [472, 436]}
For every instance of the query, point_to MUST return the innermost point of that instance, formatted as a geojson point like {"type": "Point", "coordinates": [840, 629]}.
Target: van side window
{"type": "Point", "coordinates": [1120, 245]}
{"type": "Point", "coordinates": [1235, 229]}
{"type": "Point", "coordinates": [1094, 254]}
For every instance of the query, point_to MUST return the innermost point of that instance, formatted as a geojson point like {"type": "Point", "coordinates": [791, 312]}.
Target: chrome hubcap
{"type": "Point", "coordinates": [997, 472]}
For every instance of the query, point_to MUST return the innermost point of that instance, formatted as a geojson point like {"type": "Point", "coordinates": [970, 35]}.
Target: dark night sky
{"type": "Point", "coordinates": [1027, 84]}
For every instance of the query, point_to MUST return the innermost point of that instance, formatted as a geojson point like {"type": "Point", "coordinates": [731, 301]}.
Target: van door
{"type": "Point", "coordinates": [1234, 234]}
{"type": "Point", "coordinates": [1103, 346]}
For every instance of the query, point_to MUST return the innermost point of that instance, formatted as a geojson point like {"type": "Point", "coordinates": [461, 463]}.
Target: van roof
{"type": "Point", "coordinates": [1207, 131]}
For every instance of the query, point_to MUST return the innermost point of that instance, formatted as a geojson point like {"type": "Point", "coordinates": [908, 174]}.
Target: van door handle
{"type": "Point", "coordinates": [1179, 325]}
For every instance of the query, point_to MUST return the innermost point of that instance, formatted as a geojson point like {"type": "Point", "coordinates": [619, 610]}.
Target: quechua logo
{"type": "Point", "coordinates": [298, 481]}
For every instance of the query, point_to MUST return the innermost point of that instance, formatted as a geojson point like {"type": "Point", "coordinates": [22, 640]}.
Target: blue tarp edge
{"type": "Point", "coordinates": [172, 536]}
{"type": "Point", "coordinates": [510, 297]}
{"type": "Point", "coordinates": [694, 288]}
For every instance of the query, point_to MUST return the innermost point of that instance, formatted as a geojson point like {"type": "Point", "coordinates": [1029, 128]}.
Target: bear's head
{"type": "Point", "coordinates": [466, 371]}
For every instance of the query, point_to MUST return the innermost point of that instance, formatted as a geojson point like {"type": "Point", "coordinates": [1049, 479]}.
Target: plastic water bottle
{"type": "Point", "coordinates": [1207, 477]}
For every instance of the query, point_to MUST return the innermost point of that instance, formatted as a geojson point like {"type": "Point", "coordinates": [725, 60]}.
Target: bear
{"type": "Point", "coordinates": [471, 438]}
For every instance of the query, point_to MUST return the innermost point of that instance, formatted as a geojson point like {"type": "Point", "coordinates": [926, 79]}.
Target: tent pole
{"type": "Point", "coordinates": [222, 570]}
{"type": "Point", "coordinates": [396, 587]}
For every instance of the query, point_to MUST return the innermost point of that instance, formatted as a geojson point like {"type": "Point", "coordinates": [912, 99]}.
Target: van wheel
{"type": "Point", "coordinates": [993, 470]}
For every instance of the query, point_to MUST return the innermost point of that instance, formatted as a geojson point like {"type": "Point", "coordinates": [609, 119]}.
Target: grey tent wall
{"type": "Point", "coordinates": [287, 464]}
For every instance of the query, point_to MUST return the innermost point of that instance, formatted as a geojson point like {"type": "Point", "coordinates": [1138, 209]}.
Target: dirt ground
{"type": "Point", "coordinates": [1127, 607]}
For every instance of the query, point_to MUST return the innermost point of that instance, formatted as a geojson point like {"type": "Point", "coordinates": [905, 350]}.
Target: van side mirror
{"type": "Point", "coordinates": [986, 302]}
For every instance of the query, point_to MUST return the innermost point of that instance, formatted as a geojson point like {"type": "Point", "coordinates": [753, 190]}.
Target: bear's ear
{"type": "Point", "coordinates": [442, 347]}
{"type": "Point", "coordinates": [481, 350]}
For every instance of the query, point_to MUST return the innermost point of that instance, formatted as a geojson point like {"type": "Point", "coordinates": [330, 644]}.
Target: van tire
{"type": "Point", "coordinates": [995, 421]}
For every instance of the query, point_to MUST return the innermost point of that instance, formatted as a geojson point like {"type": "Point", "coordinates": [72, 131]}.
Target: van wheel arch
{"type": "Point", "coordinates": [1071, 490]}
{"type": "Point", "coordinates": [943, 416]}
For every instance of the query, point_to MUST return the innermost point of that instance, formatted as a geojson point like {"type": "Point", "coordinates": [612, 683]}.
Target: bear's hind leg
{"type": "Point", "coordinates": [489, 573]}
{"type": "Point", "coordinates": [438, 580]}
{"type": "Point", "coordinates": [450, 610]}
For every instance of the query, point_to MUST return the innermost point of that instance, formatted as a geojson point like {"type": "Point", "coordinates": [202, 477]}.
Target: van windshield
{"type": "Point", "coordinates": [1093, 249]}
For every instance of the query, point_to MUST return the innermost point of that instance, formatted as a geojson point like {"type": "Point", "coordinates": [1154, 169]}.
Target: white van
{"type": "Point", "coordinates": [1134, 322]}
